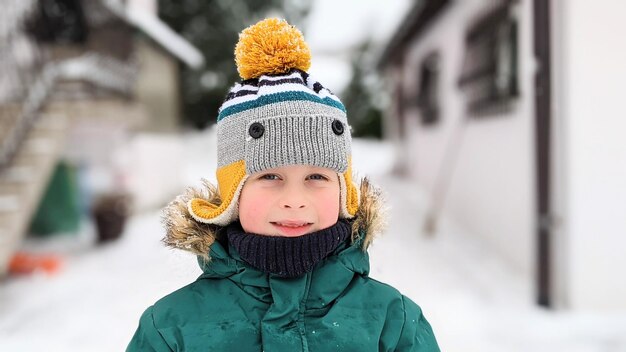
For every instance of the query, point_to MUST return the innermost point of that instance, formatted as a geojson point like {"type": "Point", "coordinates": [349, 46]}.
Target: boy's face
{"type": "Point", "coordinates": [289, 201]}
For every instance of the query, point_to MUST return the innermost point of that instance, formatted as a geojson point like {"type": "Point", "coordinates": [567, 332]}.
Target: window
{"type": "Point", "coordinates": [489, 75]}
{"type": "Point", "coordinates": [59, 21]}
{"type": "Point", "coordinates": [427, 95]}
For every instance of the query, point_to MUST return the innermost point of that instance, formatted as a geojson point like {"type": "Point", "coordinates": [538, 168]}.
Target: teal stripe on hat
{"type": "Point", "coordinates": [277, 98]}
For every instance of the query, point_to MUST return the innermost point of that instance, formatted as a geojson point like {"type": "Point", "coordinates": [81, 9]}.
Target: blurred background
{"type": "Point", "coordinates": [495, 128]}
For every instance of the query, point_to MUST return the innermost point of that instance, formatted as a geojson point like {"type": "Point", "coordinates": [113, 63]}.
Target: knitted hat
{"type": "Point", "coordinates": [276, 116]}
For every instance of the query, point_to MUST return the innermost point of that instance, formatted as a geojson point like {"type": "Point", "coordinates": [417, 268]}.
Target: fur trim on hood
{"type": "Point", "coordinates": [184, 232]}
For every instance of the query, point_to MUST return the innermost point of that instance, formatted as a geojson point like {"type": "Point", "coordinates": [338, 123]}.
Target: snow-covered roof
{"type": "Point", "coordinates": [159, 31]}
{"type": "Point", "coordinates": [411, 27]}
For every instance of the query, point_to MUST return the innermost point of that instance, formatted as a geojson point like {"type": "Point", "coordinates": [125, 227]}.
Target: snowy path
{"type": "Point", "coordinates": [473, 301]}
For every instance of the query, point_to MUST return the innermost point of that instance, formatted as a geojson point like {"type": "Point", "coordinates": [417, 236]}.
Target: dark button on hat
{"type": "Point", "coordinates": [337, 127]}
{"type": "Point", "coordinates": [256, 130]}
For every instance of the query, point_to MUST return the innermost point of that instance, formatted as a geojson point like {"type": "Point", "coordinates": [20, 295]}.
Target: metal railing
{"type": "Point", "coordinates": [24, 83]}
{"type": "Point", "coordinates": [28, 76]}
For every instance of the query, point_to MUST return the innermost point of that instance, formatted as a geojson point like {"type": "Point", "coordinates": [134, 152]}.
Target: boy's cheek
{"type": "Point", "coordinates": [250, 221]}
{"type": "Point", "coordinates": [328, 209]}
{"type": "Point", "coordinates": [251, 209]}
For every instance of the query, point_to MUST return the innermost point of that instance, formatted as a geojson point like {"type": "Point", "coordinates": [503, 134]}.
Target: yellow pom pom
{"type": "Point", "coordinates": [271, 46]}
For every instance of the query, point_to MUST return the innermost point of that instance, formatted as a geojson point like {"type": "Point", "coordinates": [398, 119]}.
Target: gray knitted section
{"type": "Point", "coordinates": [232, 132]}
{"type": "Point", "coordinates": [291, 140]}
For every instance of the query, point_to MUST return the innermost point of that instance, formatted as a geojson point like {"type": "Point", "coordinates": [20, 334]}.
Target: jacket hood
{"type": "Point", "coordinates": [184, 232]}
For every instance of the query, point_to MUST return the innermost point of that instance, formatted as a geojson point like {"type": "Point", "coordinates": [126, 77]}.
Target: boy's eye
{"type": "Point", "coordinates": [269, 177]}
{"type": "Point", "coordinates": [317, 177]}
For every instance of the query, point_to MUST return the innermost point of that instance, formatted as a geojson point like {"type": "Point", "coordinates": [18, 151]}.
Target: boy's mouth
{"type": "Point", "coordinates": [292, 228]}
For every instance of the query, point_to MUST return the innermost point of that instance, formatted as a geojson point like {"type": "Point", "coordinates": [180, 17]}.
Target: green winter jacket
{"type": "Point", "coordinates": [234, 307]}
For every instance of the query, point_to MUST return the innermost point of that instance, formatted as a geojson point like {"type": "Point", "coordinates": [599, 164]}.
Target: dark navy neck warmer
{"type": "Point", "coordinates": [287, 256]}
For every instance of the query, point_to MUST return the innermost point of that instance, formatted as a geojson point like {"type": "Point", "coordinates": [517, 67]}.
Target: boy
{"type": "Point", "coordinates": [282, 241]}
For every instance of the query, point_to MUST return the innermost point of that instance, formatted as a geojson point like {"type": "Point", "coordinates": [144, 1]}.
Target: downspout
{"type": "Point", "coordinates": [543, 117]}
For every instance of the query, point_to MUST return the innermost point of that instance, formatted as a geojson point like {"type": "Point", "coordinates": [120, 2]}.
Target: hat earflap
{"type": "Point", "coordinates": [231, 179]}
{"type": "Point", "coordinates": [350, 196]}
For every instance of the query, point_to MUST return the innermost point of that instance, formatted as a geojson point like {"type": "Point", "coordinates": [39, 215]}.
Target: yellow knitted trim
{"type": "Point", "coordinates": [202, 209]}
{"type": "Point", "coordinates": [352, 194]}
{"type": "Point", "coordinates": [228, 179]}
{"type": "Point", "coordinates": [271, 47]}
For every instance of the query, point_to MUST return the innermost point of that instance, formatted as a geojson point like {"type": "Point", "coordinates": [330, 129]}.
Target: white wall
{"type": "Point", "coordinates": [591, 76]}
{"type": "Point", "coordinates": [157, 88]}
{"type": "Point", "coordinates": [492, 191]}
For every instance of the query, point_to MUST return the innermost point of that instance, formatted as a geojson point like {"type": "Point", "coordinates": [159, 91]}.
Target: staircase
{"type": "Point", "coordinates": [46, 87]}
{"type": "Point", "coordinates": [25, 177]}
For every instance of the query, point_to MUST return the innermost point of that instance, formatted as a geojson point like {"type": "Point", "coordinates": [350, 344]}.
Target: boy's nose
{"type": "Point", "coordinates": [293, 205]}
{"type": "Point", "coordinates": [293, 199]}
{"type": "Point", "coordinates": [293, 202]}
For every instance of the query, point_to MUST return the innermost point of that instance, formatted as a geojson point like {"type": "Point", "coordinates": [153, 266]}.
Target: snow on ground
{"type": "Point", "coordinates": [473, 300]}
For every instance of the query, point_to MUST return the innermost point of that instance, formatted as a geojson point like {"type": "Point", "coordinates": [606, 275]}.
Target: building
{"type": "Point", "coordinates": [77, 77]}
{"type": "Point", "coordinates": [508, 114]}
